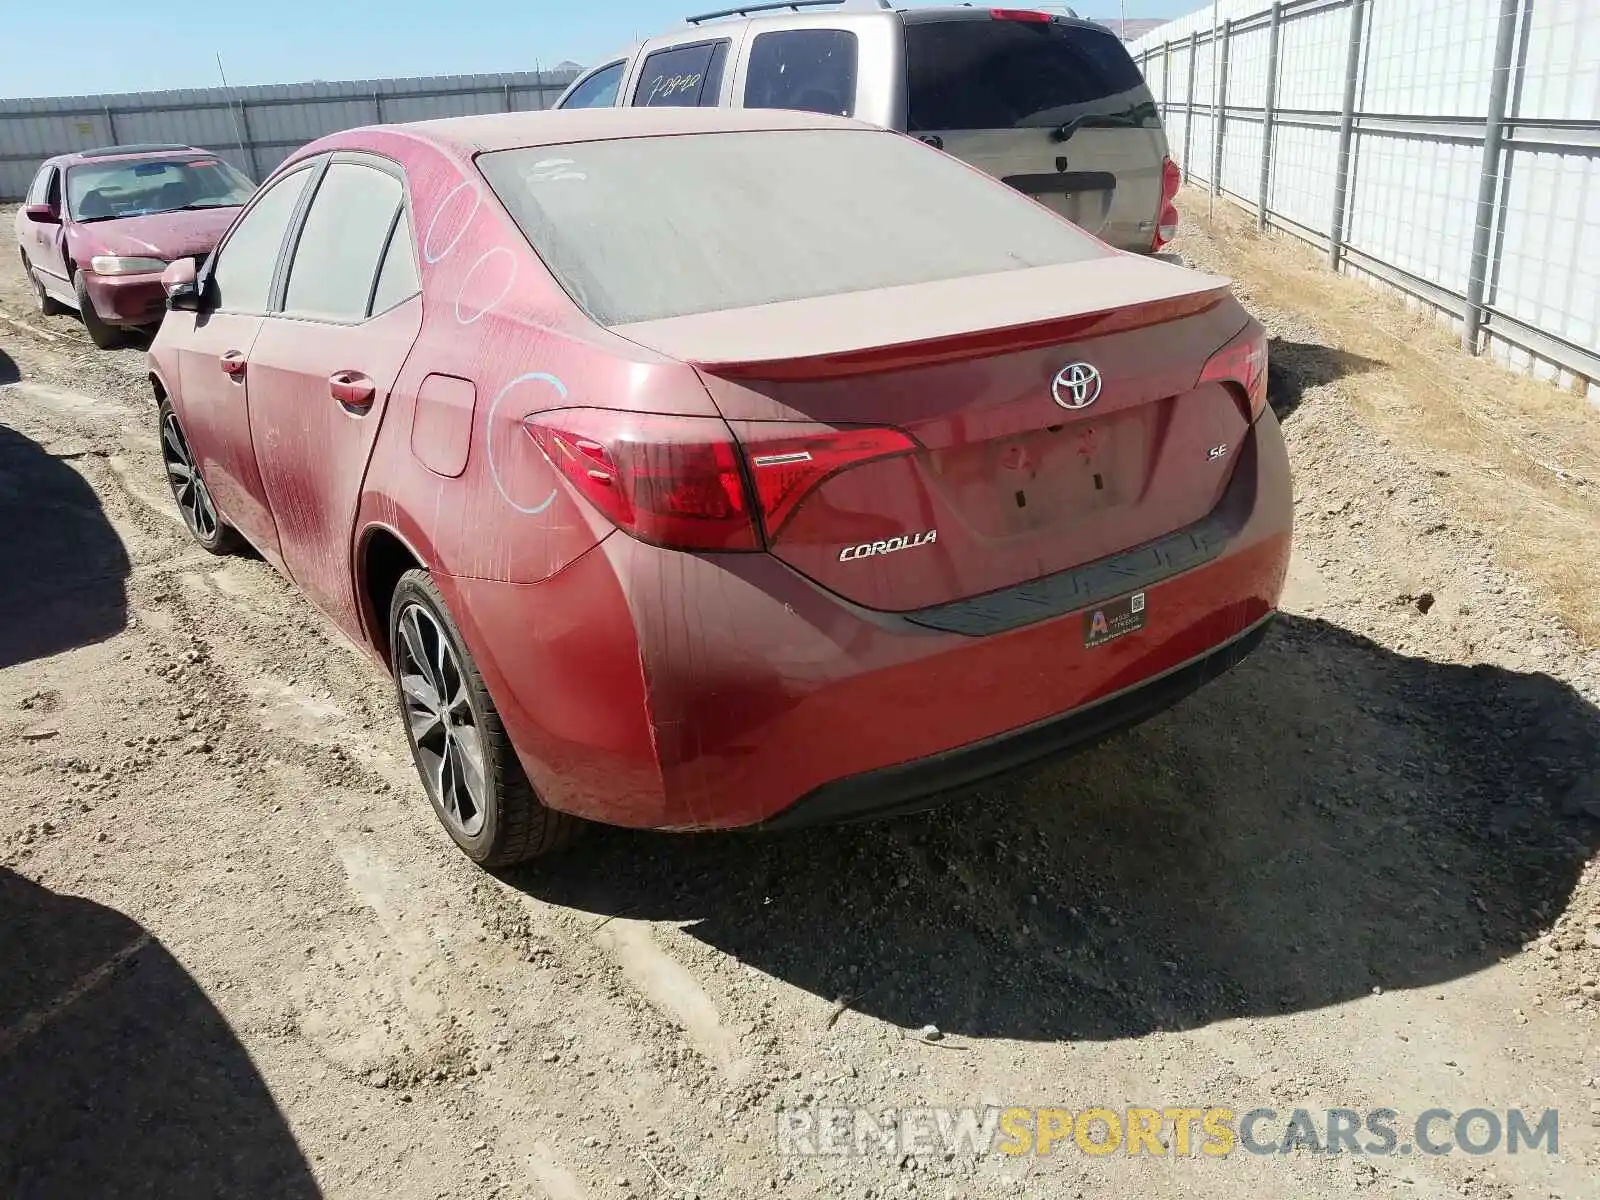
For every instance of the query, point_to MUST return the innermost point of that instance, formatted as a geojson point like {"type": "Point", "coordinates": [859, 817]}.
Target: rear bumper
{"type": "Point", "coordinates": [127, 299]}
{"type": "Point", "coordinates": [656, 689]}
{"type": "Point", "coordinates": [913, 787]}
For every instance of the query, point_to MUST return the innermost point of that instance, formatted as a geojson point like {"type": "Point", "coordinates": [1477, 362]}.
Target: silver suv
{"type": "Point", "coordinates": [1052, 105]}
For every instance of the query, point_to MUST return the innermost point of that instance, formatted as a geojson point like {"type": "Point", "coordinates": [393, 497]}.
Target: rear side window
{"type": "Point", "coordinates": [344, 236]}
{"type": "Point", "coordinates": [397, 277]}
{"type": "Point", "coordinates": [241, 277]}
{"type": "Point", "coordinates": [1003, 74]}
{"type": "Point", "coordinates": [599, 90]}
{"type": "Point", "coordinates": [682, 77]}
{"type": "Point", "coordinates": [813, 70]}
{"type": "Point", "coordinates": [734, 220]}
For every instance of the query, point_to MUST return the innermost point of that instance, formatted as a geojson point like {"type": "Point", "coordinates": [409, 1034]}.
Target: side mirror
{"type": "Point", "coordinates": [178, 281]}
{"type": "Point", "coordinates": [42, 213]}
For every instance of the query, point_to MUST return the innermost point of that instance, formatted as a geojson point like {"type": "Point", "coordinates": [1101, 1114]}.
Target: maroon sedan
{"type": "Point", "coordinates": [696, 468]}
{"type": "Point", "coordinates": [99, 226]}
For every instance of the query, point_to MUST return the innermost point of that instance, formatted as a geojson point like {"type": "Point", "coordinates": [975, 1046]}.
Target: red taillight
{"type": "Point", "coordinates": [680, 481]}
{"type": "Point", "coordinates": [788, 462]}
{"type": "Point", "coordinates": [1243, 362]}
{"type": "Point", "coordinates": [674, 481]}
{"type": "Point", "coordinates": [1167, 218]}
{"type": "Point", "coordinates": [1018, 14]}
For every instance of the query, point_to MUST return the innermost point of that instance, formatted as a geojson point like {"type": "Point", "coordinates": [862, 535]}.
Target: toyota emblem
{"type": "Point", "coordinates": [1076, 385]}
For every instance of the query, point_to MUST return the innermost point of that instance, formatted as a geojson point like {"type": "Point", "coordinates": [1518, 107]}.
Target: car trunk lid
{"type": "Point", "coordinates": [1007, 482]}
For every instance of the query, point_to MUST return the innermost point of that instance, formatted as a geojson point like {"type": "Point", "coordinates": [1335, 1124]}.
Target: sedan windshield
{"type": "Point", "coordinates": [646, 228]}
{"type": "Point", "coordinates": [104, 191]}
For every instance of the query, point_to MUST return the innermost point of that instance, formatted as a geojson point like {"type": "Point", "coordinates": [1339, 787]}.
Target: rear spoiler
{"type": "Point", "coordinates": [886, 329]}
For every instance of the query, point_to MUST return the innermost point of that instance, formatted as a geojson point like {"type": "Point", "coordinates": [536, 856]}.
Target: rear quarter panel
{"type": "Point", "coordinates": [493, 317]}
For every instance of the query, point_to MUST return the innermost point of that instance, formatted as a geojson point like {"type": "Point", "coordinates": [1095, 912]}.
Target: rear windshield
{"type": "Point", "coordinates": [1006, 74]}
{"type": "Point", "coordinates": [645, 228]}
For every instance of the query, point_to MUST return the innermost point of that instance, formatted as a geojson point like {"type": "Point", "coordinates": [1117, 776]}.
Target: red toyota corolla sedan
{"type": "Point", "coordinates": [694, 468]}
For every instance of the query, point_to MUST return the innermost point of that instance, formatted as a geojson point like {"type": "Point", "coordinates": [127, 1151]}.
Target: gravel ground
{"type": "Point", "coordinates": [241, 960]}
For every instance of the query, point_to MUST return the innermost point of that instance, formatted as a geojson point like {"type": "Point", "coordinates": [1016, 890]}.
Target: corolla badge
{"type": "Point", "coordinates": [1076, 385]}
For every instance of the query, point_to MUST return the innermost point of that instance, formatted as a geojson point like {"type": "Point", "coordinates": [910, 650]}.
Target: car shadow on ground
{"type": "Point", "coordinates": [1329, 818]}
{"type": "Point", "coordinates": [1293, 367]}
{"type": "Point", "coordinates": [117, 1076]}
{"type": "Point", "coordinates": [64, 582]}
{"type": "Point", "coordinates": [8, 369]}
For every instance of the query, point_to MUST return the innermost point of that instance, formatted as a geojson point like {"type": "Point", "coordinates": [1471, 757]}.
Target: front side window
{"type": "Point", "coordinates": [346, 230]}
{"type": "Point", "coordinates": [597, 91]}
{"type": "Point", "coordinates": [813, 70]}
{"type": "Point", "coordinates": [682, 76]}
{"type": "Point", "coordinates": [741, 219]}
{"type": "Point", "coordinates": [242, 271]}
{"type": "Point", "coordinates": [106, 191]}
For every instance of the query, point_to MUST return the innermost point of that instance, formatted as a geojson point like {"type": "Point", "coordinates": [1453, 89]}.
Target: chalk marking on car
{"type": "Point", "coordinates": [466, 282]}
{"type": "Point", "coordinates": [428, 252]}
{"type": "Point", "coordinates": [489, 427]}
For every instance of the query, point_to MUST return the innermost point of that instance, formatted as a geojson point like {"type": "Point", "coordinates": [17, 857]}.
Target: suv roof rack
{"type": "Point", "coordinates": [133, 148]}
{"type": "Point", "coordinates": [793, 5]}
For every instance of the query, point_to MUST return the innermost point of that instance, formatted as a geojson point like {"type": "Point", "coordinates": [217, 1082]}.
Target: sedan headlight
{"type": "Point", "coordinates": [114, 264]}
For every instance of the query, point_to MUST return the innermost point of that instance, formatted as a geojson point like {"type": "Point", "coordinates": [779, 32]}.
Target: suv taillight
{"type": "Point", "coordinates": [1243, 363]}
{"type": "Point", "coordinates": [1167, 218]}
{"type": "Point", "coordinates": [686, 483]}
{"type": "Point", "coordinates": [1019, 14]}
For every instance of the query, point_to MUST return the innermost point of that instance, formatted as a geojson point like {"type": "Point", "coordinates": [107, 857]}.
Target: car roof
{"type": "Point", "coordinates": [508, 131]}
{"type": "Point", "coordinates": [125, 153]}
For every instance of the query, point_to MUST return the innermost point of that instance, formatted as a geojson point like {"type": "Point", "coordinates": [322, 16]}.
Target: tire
{"type": "Point", "coordinates": [49, 306]}
{"type": "Point", "coordinates": [106, 337]}
{"type": "Point", "coordinates": [189, 491]}
{"type": "Point", "coordinates": [502, 821]}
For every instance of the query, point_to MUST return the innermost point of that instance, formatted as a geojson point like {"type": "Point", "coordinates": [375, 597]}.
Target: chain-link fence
{"type": "Point", "coordinates": [1450, 148]}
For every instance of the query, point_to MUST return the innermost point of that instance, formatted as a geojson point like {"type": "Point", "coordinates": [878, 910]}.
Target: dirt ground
{"type": "Point", "coordinates": [238, 957]}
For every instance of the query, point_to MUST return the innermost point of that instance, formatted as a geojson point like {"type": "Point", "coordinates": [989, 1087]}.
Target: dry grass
{"type": "Point", "coordinates": [1522, 457]}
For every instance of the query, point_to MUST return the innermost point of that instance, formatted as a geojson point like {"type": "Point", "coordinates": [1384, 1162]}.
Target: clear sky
{"type": "Point", "coordinates": [78, 47]}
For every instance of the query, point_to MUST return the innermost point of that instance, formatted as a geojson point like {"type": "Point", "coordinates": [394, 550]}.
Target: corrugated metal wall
{"type": "Point", "coordinates": [1254, 99]}
{"type": "Point", "coordinates": [254, 128]}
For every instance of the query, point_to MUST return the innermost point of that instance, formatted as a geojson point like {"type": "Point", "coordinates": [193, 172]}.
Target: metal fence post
{"type": "Point", "coordinates": [1347, 124]}
{"type": "Point", "coordinates": [111, 124]}
{"type": "Point", "coordinates": [1219, 107]}
{"type": "Point", "coordinates": [1268, 105]}
{"type": "Point", "coordinates": [377, 108]}
{"type": "Point", "coordinates": [249, 141]}
{"type": "Point", "coordinates": [1489, 175]}
{"type": "Point", "coordinates": [1188, 105]}
{"type": "Point", "coordinates": [1166, 80]}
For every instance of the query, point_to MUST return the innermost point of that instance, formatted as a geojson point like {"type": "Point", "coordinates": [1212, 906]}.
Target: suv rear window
{"type": "Point", "coordinates": [1006, 74]}
{"type": "Point", "coordinates": [810, 70]}
{"type": "Point", "coordinates": [740, 219]}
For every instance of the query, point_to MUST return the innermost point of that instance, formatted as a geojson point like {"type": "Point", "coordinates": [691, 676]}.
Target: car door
{"type": "Point", "coordinates": [213, 348]}
{"type": "Point", "coordinates": [324, 363]}
{"type": "Point", "coordinates": [44, 248]}
{"type": "Point", "coordinates": [682, 75]}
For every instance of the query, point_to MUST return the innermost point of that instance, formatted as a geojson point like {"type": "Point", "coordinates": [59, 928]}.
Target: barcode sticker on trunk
{"type": "Point", "coordinates": [1112, 620]}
